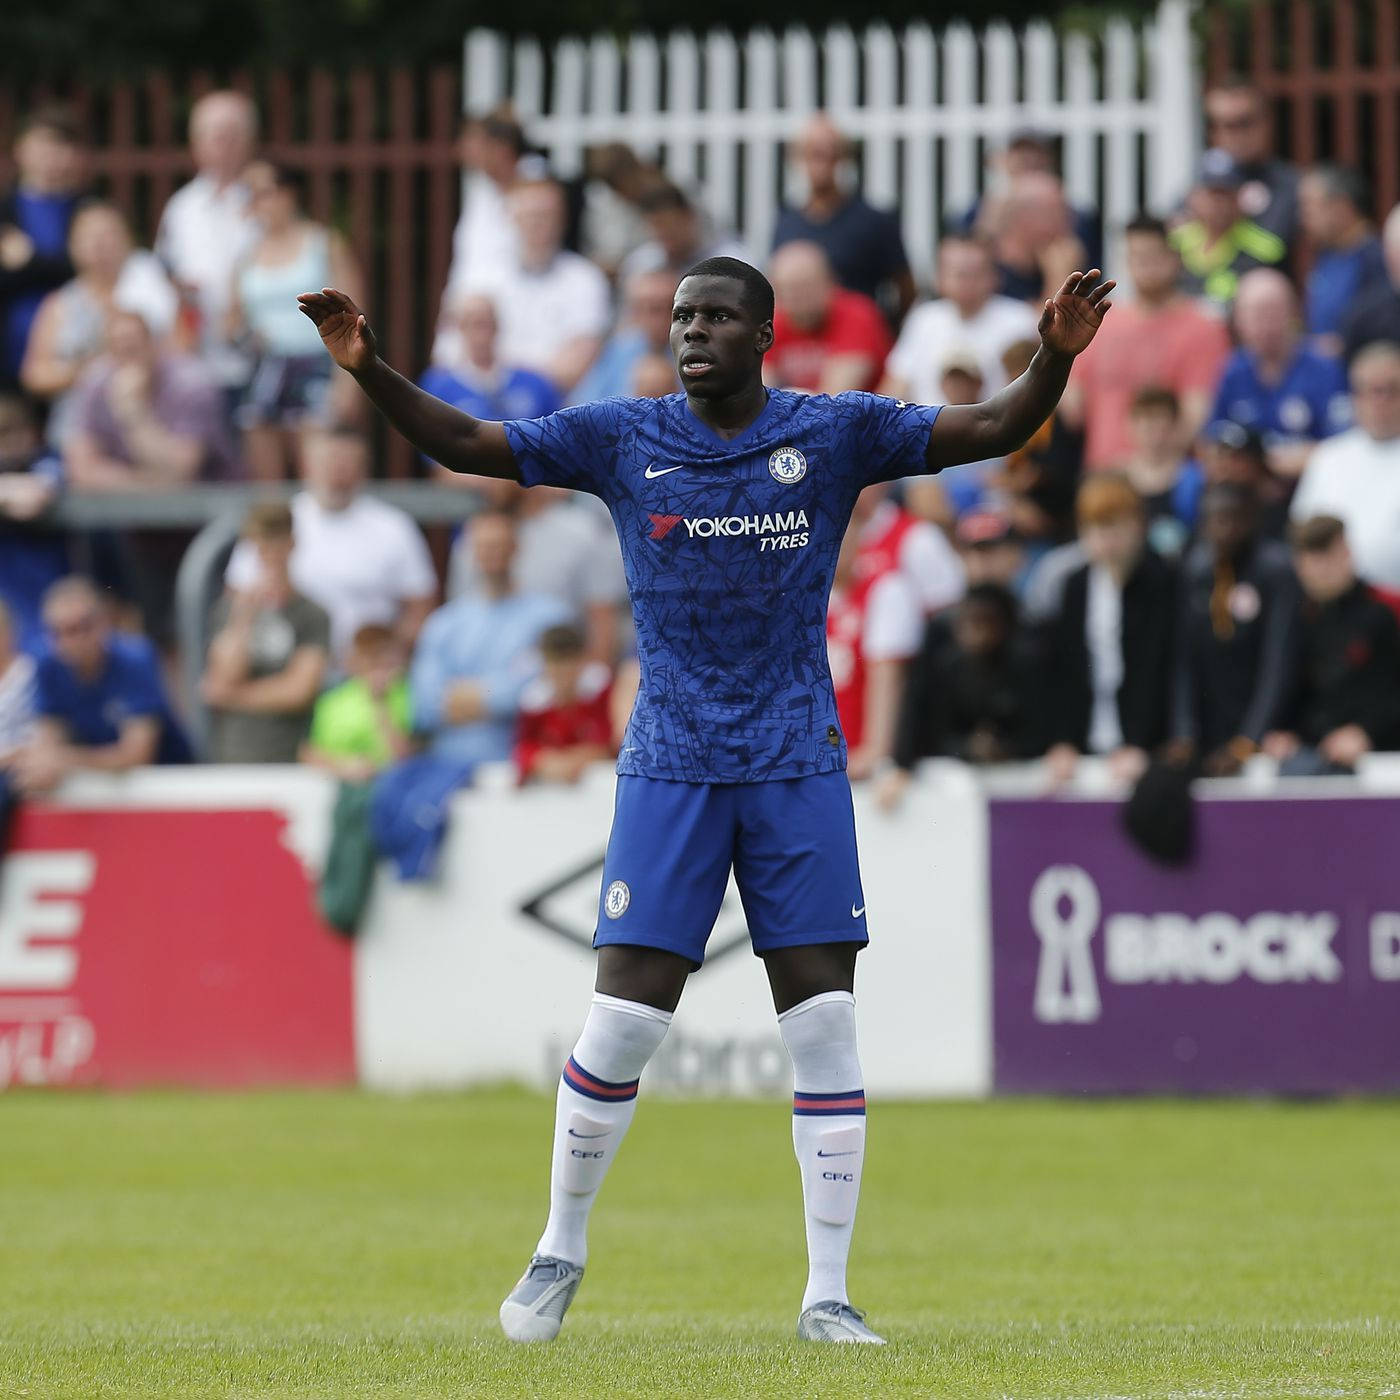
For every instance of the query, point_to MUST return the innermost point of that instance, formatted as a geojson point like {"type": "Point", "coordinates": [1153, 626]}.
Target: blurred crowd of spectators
{"type": "Point", "coordinates": [1198, 555]}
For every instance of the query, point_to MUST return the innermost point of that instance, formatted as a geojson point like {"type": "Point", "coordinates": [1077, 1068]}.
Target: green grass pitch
{"type": "Point", "coordinates": [345, 1244]}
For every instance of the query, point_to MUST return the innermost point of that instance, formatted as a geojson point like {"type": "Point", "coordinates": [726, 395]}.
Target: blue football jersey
{"type": "Point", "coordinates": [729, 548]}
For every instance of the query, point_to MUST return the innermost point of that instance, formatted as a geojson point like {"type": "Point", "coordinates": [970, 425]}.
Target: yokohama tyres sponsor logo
{"type": "Point", "coordinates": [776, 523]}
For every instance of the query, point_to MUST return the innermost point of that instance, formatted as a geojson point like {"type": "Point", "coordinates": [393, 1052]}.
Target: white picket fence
{"type": "Point", "coordinates": [925, 107]}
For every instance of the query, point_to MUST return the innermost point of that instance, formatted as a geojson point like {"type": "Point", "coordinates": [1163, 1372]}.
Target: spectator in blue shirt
{"type": "Point", "coordinates": [1291, 395]}
{"type": "Point", "coordinates": [33, 555]}
{"type": "Point", "coordinates": [645, 331]}
{"type": "Point", "coordinates": [100, 701]}
{"type": "Point", "coordinates": [480, 384]}
{"type": "Point", "coordinates": [864, 244]}
{"type": "Point", "coordinates": [34, 220]}
{"type": "Point", "coordinates": [1333, 204]}
{"type": "Point", "coordinates": [475, 656]}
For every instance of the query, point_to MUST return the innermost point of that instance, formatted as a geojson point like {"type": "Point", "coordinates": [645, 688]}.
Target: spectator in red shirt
{"type": "Point", "coordinates": [826, 339]}
{"type": "Point", "coordinates": [874, 624]}
{"type": "Point", "coordinates": [1160, 337]}
{"type": "Point", "coordinates": [565, 717]}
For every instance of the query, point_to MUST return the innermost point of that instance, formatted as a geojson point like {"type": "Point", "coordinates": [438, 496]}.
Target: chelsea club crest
{"type": "Point", "coordinates": [617, 899]}
{"type": "Point", "coordinates": [787, 465]}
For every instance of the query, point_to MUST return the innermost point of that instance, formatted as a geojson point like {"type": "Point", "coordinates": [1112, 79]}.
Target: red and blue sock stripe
{"type": "Point", "coordinates": [822, 1105]}
{"type": "Point", "coordinates": [579, 1079]}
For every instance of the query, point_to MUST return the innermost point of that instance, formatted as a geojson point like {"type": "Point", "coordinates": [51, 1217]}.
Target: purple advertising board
{"type": "Point", "coordinates": [1269, 964]}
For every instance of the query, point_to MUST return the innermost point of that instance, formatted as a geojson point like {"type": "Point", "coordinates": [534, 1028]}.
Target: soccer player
{"type": "Point", "coordinates": [730, 501]}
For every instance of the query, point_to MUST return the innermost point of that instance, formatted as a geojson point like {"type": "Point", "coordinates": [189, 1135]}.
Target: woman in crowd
{"type": "Point", "coordinates": [70, 328]}
{"type": "Point", "coordinates": [292, 384]}
{"type": "Point", "coordinates": [1110, 647]}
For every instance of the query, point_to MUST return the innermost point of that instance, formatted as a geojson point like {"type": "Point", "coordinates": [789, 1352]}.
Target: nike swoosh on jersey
{"type": "Point", "coordinates": [665, 471]}
{"type": "Point", "coordinates": [856, 913]}
{"type": "Point", "coordinates": [587, 1135]}
{"type": "Point", "coordinates": [851, 1153]}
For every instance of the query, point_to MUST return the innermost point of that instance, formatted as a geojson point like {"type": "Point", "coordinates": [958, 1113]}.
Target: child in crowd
{"type": "Point", "coordinates": [1169, 482]}
{"type": "Point", "coordinates": [565, 716]}
{"type": "Point", "coordinates": [1348, 700]}
{"type": "Point", "coordinates": [365, 723]}
{"type": "Point", "coordinates": [972, 692]}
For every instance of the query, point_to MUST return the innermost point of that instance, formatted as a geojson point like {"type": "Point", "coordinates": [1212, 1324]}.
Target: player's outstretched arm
{"type": "Point", "coordinates": [975, 432]}
{"type": "Point", "coordinates": [439, 431]}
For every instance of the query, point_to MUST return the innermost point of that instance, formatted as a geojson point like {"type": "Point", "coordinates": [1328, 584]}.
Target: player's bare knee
{"type": "Point", "coordinates": [797, 974]}
{"type": "Point", "coordinates": [651, 976]}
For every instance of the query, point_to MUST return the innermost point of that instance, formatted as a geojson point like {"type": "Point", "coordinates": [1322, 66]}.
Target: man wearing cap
{"type": "Point", "coordinates": [1237, 121]}
{"type": "Point", "coordinates": [1219, 243]}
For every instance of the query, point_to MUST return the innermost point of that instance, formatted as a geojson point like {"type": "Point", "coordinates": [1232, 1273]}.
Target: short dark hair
{"type": "Point", "coordinates": [562, 642]}
{"type": "Point", "coordinates": [1147, 223]}
{"type": "Point", "coordinates": [55, 117]}
{"type": "Point", "coordinates": [1152, 398]}
{"type": "Point", "coordinates": [1316, 534]}
{"type": "Point", "coordinates": [17, 399]}
{"type": "Point", "coordinates": [284, 177]}
{"type": "Point", "coordinates": [506, 131]}
{"type": "Point", "coordinates": [1342, 182]}
{"type": "Point", "coordinates": [666, 196]}
{"type": "Point", "coordinates": [758, 291]}
{"type": "Point", "coordinates": [997, 597]}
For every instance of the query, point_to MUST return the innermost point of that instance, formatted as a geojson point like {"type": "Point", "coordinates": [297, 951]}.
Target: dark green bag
{"type": "Point", "coordinates": [349, 874]}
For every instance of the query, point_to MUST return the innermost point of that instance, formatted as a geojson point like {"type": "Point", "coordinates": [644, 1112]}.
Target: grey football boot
{"type": "Point", "coordinates": [534, 1310]}
{"type": "Point", "coordinates": [831, 1321]}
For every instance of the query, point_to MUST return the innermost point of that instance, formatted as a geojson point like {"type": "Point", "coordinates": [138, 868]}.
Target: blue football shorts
{"type": "Point", "coordinates": [791, 844]}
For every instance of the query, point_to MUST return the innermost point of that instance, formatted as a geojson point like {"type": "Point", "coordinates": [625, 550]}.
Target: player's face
{"type": "Point", "coordinates": [717, 344]}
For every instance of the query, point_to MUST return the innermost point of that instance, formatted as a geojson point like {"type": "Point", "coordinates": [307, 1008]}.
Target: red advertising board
{"type": "Point", "coordinates": [166, 947]}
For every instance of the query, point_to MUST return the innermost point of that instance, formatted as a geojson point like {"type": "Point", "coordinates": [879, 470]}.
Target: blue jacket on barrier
{"type": "Point", "coordinates": [408, 811]}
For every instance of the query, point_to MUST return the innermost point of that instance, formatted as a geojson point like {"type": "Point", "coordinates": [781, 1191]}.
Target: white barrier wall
{"type": "Point", "coordinates": [160, 928]}
{"type": "Point", "coordinates": [460, 982]}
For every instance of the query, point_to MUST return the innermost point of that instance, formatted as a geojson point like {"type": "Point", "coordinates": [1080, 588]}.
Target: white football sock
{"type": "Point", "coordinates": [597, 1097]}
{"type": "Point", "coordinates": [828, 1133]}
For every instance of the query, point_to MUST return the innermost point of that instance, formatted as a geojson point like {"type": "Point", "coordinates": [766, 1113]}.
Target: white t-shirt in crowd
{"type": "Point", "coordinates": [893, 628]}
{"type": "Point", "coordinates": [540, 311]}
{"type": "Point", "coordinates": [926, 559]}
{"type": "Point", "coordinates": [204, 234]}
{"type": "Point", "coordinates": [1103, 635]}
{"type": "Point", "coordinates": [935, 329]}
{"type": "Point", "coordinates": [1357, 479]}
{"type": "Point", "coordinates": [17, 702]}
{"type": "Point", "coordinates": [361, 564]}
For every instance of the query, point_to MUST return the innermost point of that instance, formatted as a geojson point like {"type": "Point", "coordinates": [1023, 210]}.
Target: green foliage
{"type": "Point", "coordinates": [337, 1245]}
{"type": "Point", "coordinates": [97, 38]}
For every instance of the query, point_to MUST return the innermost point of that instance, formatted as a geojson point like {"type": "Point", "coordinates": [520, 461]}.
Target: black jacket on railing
{"type": "Point", "coordinates": [1350, 672]}
{"type": "Point", "coordinates": [1148, 631]}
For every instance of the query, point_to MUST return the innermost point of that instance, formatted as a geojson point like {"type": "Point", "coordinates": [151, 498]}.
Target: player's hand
{"type": "Point", "coordinates": [344, 330]}
{"type": "Point", "coordinates": [1075, 312]}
